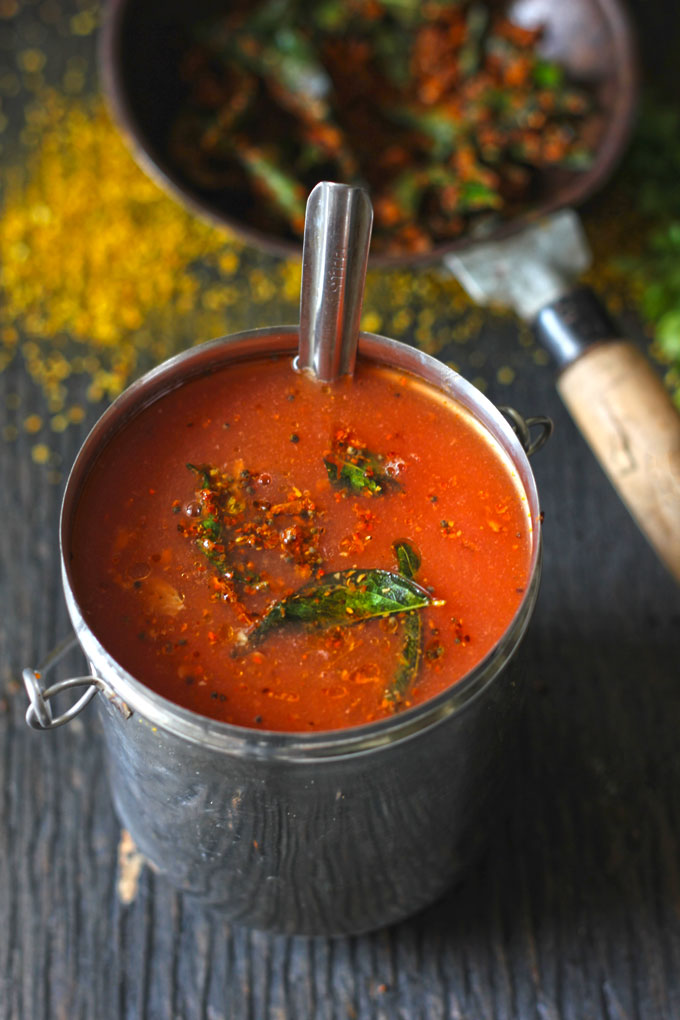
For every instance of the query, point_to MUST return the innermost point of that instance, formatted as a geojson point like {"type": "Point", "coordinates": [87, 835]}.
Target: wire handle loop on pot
{"type": "Point", "coordinates": [522, 428]}
{"type": "Point", "coordinates": [39, 713]}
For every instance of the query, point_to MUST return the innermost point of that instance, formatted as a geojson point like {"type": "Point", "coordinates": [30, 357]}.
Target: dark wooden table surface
{"type": "Point", "coordinates": [572, 912]}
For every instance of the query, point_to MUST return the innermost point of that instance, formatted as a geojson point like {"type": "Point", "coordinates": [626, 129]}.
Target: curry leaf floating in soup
{"type": "Point", "coordinates": [279, 553]}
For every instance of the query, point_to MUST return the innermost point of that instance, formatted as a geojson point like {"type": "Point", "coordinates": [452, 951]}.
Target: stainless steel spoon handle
{"type": "Point", "coordinates": [338, 224]}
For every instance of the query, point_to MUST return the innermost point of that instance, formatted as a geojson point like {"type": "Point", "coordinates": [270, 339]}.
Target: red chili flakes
{"type": "Point", "coordinates": [362, 534]}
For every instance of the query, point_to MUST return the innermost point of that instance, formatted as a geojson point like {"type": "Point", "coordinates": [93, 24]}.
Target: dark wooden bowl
{"type": "Point", "coordinates": [140, 48]}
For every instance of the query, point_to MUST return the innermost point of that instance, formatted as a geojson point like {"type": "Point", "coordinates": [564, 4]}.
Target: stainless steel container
{"type": "Point", "coordinates": [331, 833]}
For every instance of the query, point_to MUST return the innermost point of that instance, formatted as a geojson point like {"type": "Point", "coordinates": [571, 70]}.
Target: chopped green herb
{"type": "Point", "coordinates": [351, 466]}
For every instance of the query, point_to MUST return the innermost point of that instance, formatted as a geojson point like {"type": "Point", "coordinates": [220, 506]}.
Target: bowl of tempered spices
{"type": "Point", "coordinates": [461, 120]}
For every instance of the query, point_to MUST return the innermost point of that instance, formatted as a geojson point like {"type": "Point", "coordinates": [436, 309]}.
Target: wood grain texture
{"type": "Point", "coordinates": [626, 414]}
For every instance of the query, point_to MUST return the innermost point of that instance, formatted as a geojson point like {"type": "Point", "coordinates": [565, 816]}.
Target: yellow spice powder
{"type": "Point", "coordinates": [104, 275]}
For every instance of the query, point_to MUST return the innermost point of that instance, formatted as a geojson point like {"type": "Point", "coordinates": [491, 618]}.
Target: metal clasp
{"type": "Point", "coordinates": [39, 713]}
{"type": "Point", "coordinates": [522, 428]}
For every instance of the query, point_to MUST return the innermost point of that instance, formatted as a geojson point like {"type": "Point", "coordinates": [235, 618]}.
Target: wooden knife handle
{"type": "Point", "coordinates": [627, 416]}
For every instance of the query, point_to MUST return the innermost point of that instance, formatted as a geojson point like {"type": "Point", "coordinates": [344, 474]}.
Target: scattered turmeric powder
{"type": "Point", "coordinates": [104, 275]}
{"type": "Point", "coordinates": [95, 259]}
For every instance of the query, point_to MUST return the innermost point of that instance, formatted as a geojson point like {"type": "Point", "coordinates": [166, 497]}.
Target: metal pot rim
{"type": "Point", "coordinates": [124, 689]}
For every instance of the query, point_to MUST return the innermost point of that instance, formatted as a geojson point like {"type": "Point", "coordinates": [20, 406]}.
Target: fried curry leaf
{"type": "Point", "coordinates": [408, 560]}
{"type": "Point", "coordinates": [356, 469]}
{"type": "Point", "coordinates": [282, 189]}
{"type": "Point", "coordinates": [350, 476]}
{"type": "Point", "coordinates": [471, 52]}
{"type": "Point", "coordinates": [410, 659]}
{"type": "Point", "coordinates": [343, 598]}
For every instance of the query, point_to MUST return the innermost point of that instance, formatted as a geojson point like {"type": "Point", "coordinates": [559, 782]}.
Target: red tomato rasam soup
{"type": "Point", "coordinates": [282, 554]}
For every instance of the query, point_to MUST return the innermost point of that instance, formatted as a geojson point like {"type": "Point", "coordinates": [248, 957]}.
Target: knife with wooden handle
{"type": "Point", "coordinates": [614, 395]}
